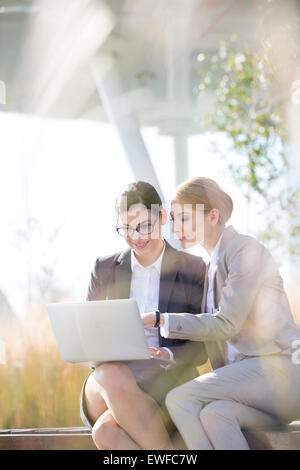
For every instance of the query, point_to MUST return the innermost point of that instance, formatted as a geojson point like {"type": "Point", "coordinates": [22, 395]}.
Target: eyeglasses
{"type": "Point", "coordinates": [144, 228]}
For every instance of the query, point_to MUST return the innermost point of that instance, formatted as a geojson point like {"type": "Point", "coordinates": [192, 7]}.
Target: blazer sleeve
{"type": "Point", "coordinates": [248, 267]}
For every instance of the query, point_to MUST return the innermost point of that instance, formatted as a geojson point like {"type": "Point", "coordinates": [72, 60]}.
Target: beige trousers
{"type": "Point", "coordinates": [211, 410]}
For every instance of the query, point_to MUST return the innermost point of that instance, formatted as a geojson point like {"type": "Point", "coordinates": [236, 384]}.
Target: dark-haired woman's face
{"type": "Point", "coordinates": [141, 229]}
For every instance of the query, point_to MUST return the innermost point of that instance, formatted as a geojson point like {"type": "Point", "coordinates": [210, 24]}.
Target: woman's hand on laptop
{"type": "Point", "coordinates": [159, 352]}
{"type": "Point", "coordinates": [149, 319]}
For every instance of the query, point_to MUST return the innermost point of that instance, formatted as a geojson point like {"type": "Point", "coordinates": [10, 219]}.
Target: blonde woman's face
{"type": "Point", "coordinates": [188, 223]}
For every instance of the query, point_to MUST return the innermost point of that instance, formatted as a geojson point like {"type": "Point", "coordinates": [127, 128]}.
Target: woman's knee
{"type": "Point", "coordinates": [174, 398]}
{"type": "Point", "coordinates": [114, 378]}
{"type": "Point", "coordinates": [104, 430]}
{"type": "Point", "coordinates": [215, 411]}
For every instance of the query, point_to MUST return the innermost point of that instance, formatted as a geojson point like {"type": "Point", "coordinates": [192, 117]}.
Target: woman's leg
{"type": "Point", "coordinates": [95, 404]}
{"type": "Point", "coordinates": [185, 411]}
{"type": "Point", "coordinates": [108, 435]}
{"type": "Point", "coordinates": [134, 411]}
{"type": "Point", "coordinates": [270, 384]}
{"type": "Point", "coordinates": [223, 421]}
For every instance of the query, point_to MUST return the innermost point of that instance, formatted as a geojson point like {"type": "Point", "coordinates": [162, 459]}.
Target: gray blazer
{"type": "Point", "coordinates": [253, 311]}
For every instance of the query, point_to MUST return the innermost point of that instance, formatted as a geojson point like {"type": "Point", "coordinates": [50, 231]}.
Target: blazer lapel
{"type": "Point", "coordinates": [228, 234]}
{"type": "Point", "coordinates": [216, 299]}
{"type": "Point", "coordinates": [121, 288]}
{"type": "Point", "coordinates": [205, 288]}
{"type": "Point", "coordinates": [215, 349]}
{"type": "Point", "coordinates": [169, 269]}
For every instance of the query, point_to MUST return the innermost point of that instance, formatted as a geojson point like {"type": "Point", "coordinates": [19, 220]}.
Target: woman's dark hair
{"type": "Point", "coordinates": [139, 192]}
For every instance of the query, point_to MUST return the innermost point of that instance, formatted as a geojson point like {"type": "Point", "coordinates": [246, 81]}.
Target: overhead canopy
{"type": "Point", "coordinates": [46, 49]}
{"type": "Point", "coordinates": [131, 62]}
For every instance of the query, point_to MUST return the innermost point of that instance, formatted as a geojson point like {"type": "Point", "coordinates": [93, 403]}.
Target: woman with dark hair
{"type": "Point", "coordinates": [246, 324]}
{"type": "Point", "coordinates": [123, 402]}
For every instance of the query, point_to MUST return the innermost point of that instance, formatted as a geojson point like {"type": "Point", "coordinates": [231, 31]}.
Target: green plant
{"type": "Point", "coordinates": [244, 109]}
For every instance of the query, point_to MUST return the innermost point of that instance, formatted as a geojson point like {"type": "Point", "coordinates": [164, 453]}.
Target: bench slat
{"type": "Point", "coordinates": [79, 438]}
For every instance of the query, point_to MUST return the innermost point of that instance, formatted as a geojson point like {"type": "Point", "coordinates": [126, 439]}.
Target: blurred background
{"type": "Point", "coordinates": [95, 94]}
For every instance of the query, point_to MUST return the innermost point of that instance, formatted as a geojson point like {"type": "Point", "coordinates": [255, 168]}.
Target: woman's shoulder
{"type": "Point", "coordinates": [238, 239]}
{"type": "Point", "coordinates": [246, 245]}
{"type": "Point", "coordinates": [111, 259]}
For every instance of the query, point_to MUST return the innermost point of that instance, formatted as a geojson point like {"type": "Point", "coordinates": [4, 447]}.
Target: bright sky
{"type": "Point", "coordinates": [67, 173]}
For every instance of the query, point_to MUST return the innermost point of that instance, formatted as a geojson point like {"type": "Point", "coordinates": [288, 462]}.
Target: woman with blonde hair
{"type": "Point", "coordinates": [245, 322]}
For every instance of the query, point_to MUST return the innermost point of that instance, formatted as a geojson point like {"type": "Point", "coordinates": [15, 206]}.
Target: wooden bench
{"type": "Point", "coordinates": [47, 439]}
{"type": "Point", "coordinates": [279, 438]}
{"type": "Point", "coordinates": [275, 438]}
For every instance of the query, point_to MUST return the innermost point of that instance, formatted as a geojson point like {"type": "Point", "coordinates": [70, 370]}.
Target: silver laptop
{"type": "Point", "coordinates": [89, 333]}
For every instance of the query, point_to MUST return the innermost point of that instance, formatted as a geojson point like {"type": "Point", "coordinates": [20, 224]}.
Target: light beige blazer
{"type": "Point", "coordinates": [253, 311]}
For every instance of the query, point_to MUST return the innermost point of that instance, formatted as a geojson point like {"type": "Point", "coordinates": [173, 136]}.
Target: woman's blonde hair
{"type": "Point", "coordinates": [201, 190]}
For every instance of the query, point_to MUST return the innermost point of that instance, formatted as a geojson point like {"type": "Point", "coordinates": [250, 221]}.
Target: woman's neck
{"type": "Point", "coordinates": [211, 240]}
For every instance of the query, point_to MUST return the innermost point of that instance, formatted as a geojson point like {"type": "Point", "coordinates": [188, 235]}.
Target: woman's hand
{"type": "Point", "coordinates": [159, 352]}
{"type": "Point", "coordinates": [149, 318]}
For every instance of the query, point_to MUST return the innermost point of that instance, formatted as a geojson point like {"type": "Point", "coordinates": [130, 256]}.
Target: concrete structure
{"type": "Point", "coordinates": [142, 54]}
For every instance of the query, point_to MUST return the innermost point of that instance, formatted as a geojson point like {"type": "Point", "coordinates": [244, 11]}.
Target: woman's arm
{"type": "Point", "coordinates": [247, 270]}
{"type": "Point", "coordinates": [101, 276]}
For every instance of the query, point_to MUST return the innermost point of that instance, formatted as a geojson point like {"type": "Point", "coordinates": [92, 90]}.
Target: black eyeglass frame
{"type": "Point", "coordinates": [132, 230]}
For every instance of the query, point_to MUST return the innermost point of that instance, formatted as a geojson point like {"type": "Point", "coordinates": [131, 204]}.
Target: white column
{"type": "Point", "coordinates": [119, 109]}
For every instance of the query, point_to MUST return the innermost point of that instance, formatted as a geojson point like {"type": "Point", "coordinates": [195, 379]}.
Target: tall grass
{"type": "Point", "coordinates": [37, 389]}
